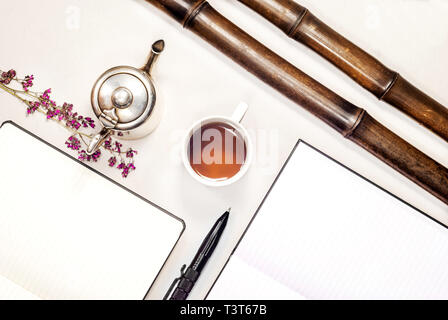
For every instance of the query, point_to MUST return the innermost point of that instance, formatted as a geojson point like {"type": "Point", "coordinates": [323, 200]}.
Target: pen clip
{"type": "Point", "coordinates": [175, 282]}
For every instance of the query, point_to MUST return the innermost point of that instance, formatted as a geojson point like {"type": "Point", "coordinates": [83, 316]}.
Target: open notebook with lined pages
{"type": "Point", "coordinates": [66, 232]}
{"type": "Point", "coordinates": [324, 232]}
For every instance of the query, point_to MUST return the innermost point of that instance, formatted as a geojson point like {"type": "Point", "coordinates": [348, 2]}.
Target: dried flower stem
{"type": "Point", "coordinates": [69, 119]}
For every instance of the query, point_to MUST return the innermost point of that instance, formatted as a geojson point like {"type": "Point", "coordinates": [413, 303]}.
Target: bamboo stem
{"type": "Point", "coordinates": [350, 121]}
{"type": "Point", "coordinates": [387, 85]}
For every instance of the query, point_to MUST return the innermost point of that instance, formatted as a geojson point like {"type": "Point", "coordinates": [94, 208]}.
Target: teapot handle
{"type": "Point", "coordinates": [98, 140]}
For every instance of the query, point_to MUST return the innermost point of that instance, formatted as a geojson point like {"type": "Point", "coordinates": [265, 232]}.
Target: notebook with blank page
{"type": "Point", "coordinates": [66, 232]}
{"type": "Point", "coordinates": [324, 232]}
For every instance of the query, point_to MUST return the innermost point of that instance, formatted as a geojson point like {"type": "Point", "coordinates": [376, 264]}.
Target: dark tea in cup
{"type": "Point", "coordinates": [217, 151]}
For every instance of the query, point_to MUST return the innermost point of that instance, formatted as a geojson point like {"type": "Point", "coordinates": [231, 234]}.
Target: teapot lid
{"type": "Point", "coordinates": [123, 98]}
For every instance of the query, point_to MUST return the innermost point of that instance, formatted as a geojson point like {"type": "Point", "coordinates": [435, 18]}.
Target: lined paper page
{"type": "Point", "coordinates": [326, 233]}
{"type": "Point", "coordinates": [68, 233]}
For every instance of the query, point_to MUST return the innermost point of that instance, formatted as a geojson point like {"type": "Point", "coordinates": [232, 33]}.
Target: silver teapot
{"type": "Point", "coordinates": [124, 100]}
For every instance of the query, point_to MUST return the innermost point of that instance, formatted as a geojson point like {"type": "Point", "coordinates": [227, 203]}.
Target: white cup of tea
{"type": "Point", "coordinates": [217, 150]}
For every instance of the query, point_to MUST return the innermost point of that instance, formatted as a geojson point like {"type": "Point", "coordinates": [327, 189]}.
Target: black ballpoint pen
{"type": "Point", "coordinates": [188, 278]}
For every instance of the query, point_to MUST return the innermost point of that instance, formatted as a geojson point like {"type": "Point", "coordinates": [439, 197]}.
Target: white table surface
{"type": "Point", "coordinates": [67, 44]}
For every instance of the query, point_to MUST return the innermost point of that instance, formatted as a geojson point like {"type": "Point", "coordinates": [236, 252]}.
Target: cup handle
{"type": "Point", "coordinates": [97, 141]}
{"type": "Point", "coordinates": [240, 112]}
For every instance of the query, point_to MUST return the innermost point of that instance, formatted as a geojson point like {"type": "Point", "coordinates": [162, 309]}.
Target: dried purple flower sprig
{"type": "Point", "coordinates": [68, 118]}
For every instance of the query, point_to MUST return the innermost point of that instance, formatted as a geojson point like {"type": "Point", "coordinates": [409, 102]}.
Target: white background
{"type": "Point", "coordinates": [68, 44]}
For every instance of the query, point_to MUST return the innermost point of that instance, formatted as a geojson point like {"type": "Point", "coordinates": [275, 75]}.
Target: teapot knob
{"type": "Point", "coordinates": [122, 98]}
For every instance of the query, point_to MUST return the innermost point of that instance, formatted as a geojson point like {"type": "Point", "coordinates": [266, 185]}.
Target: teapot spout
{"type": "Point", "coordinates": [156, 49]}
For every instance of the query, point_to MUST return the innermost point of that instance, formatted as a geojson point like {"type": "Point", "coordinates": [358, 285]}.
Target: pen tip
{"type": "Point", "coordinates": [225, 216]}
{"type": "Point", "coordinates": [228, 210]}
